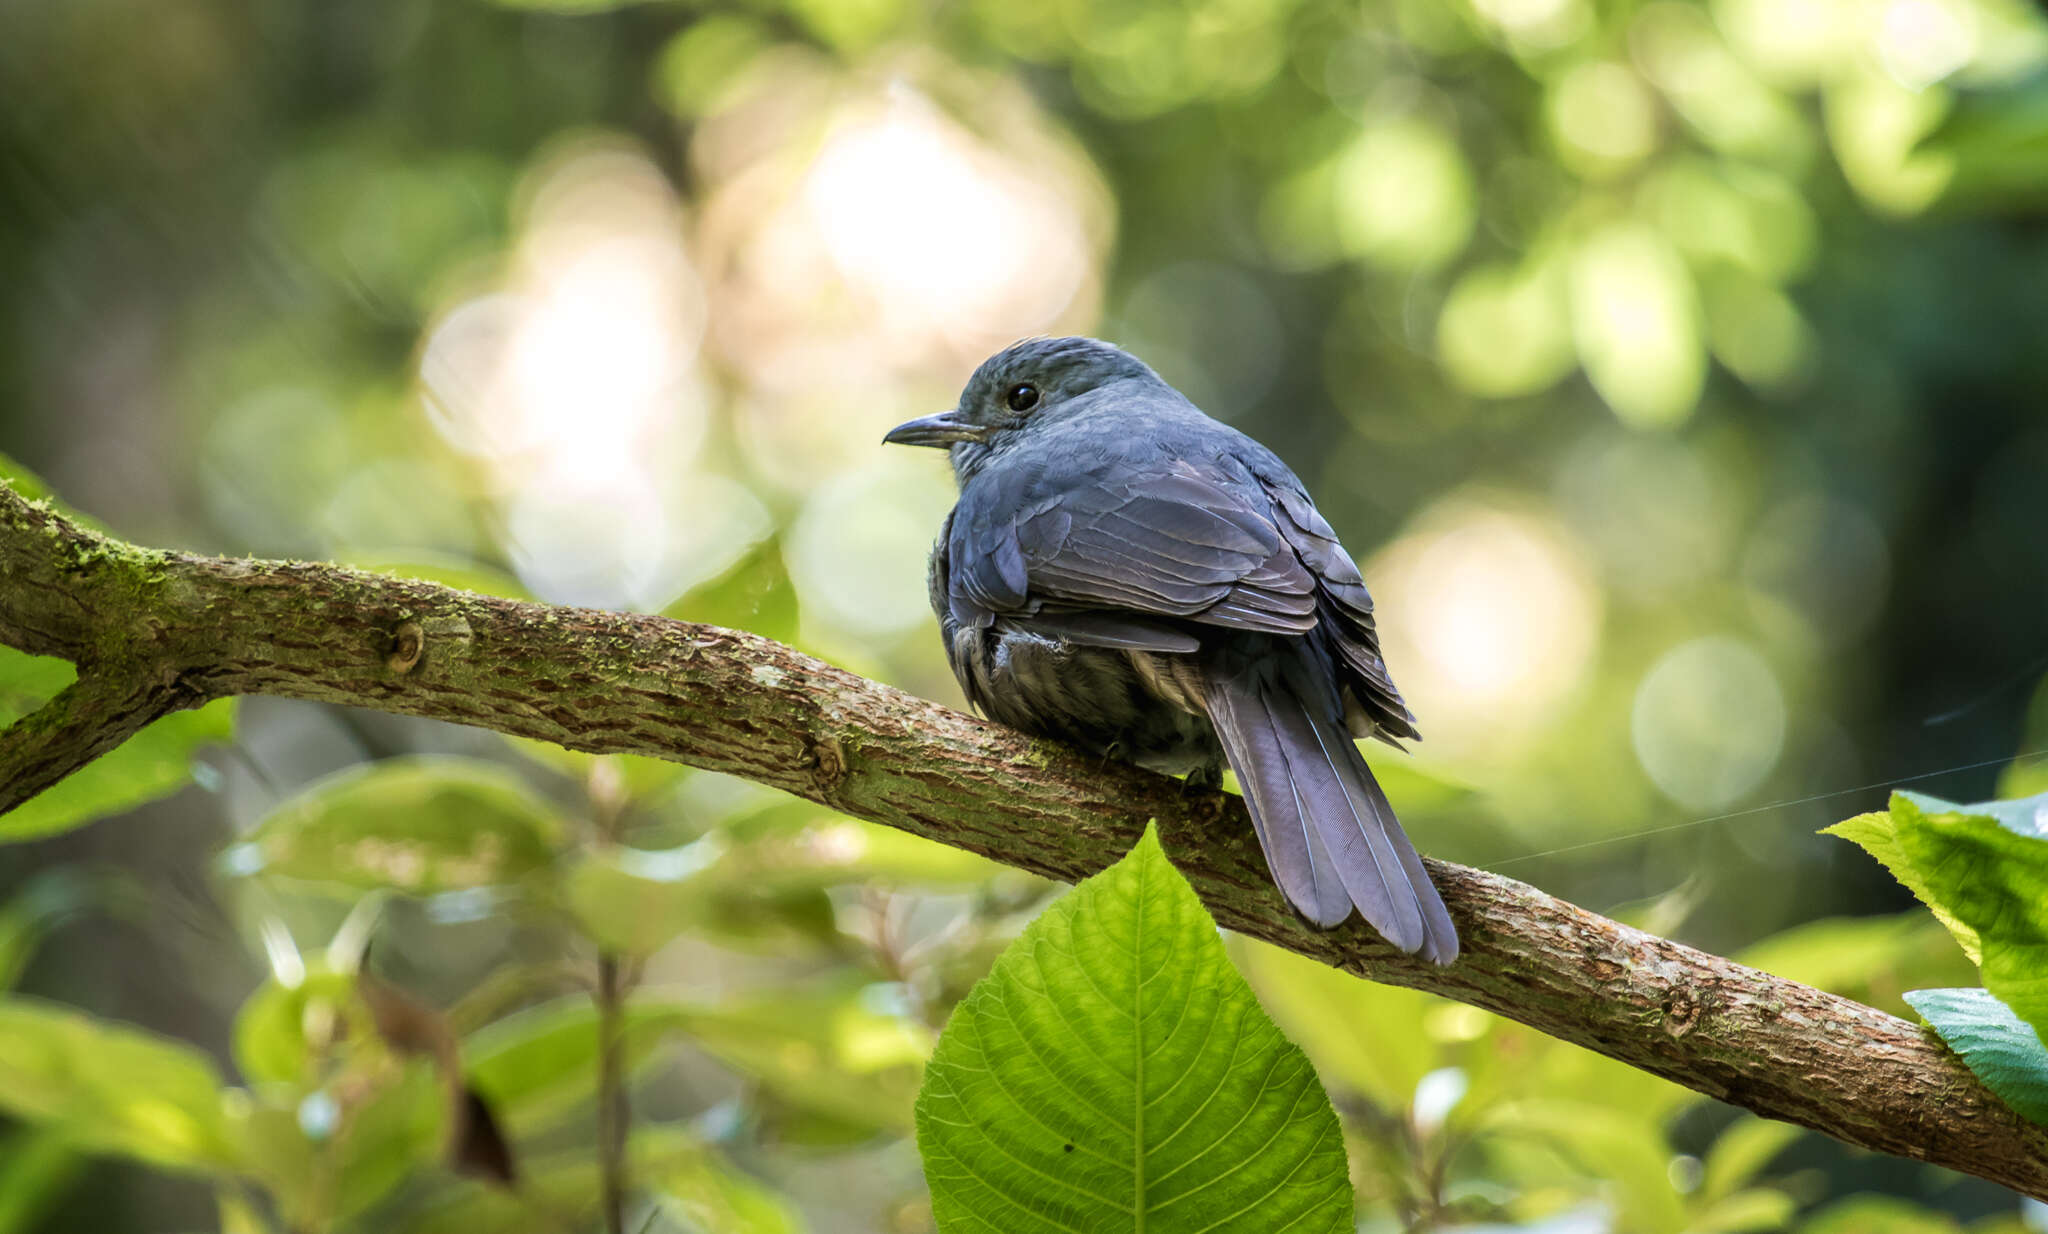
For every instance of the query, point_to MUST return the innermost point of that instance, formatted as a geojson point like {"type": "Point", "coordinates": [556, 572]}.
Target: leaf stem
{"type": "Point", "coordinates": [613, 1112]}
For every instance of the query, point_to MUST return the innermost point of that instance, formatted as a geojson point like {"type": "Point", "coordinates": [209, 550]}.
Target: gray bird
{"type": "Point", "coordinates": [1124, 573]}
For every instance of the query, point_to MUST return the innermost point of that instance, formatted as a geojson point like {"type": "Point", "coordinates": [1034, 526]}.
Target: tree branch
{"type": "Point", "coordinates": [732, 702]}
{"type": "Point", "coordinates": [86, 719]}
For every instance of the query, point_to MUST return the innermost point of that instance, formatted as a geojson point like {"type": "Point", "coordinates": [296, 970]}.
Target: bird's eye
{"type": "Point", "coordinates": [1023, 397]}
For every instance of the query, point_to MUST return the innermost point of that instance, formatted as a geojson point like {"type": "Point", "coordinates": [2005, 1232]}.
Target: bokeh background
{"type": "Point", "coordinates": [1674, 370]}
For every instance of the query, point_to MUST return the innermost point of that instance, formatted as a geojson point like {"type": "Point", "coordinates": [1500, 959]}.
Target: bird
{"type": "Point", "coordinates": [1126, 574]}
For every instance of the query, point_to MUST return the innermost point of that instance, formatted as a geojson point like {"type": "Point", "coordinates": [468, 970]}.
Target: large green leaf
{"type": "Point", "coordinates": [1877, 834]}
{"type": "Point", "coordinates": [1367, 1036]}
{"type": "Point", "coordinates": [1999, 1048]}
{"type": "Point", "coordinates": [106, 1088]}
{"type": "Point", "coordinates": [1988, 868]}
{"type": "Point", "coordinates": [1113, 1072]}
{"type": "Point", "coordinates": [155, 762]}
{"type": "Point", "coordinates": [421, 824]}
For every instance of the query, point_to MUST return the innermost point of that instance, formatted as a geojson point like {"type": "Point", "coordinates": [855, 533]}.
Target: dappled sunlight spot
{"type": "Point", "coordinates": [1404, 195]}
{"type": "Point", "coordinates": [1727, 104]}
{"type": "Point", "coordinates": [857, 550]}
{"type": "Point", "coordinates": [936, 231]}
{"type": "Point", "coordinates": [1741, 214]}
{"type": "Point", "coordinates": [1637, 325]}
{"type": "Point", "coordinates": [635, 542]}
{"type": "Point", "coordinates": [865, 1040]}
{"type": "Point", "coordinates": [587, 358]}
{"type": "Point", "coordinates": [1794, 43]}
{"type": "Point", "coordinates": [1602, 118]}
{"type": "Point", "coordinates": [1536, 25]}
{"type": "Point", "coordinates": [867, 246]}
{"type": "Point", "coordinates": [1875, 126]}
{"type": "Point", "coordinates": [1920, 42]}
{"type": "Point", "coordinates": [1140, 61]}
{"type": "Point", "coordinates": [167, 1129]}
{"type": "Point", "coordinates": [1709, 722]}
{"type": "Point", "coordinates": [1755, 329]}
{"type": "Point", "coordinates": [1503, 331]}
{"type": "Point", "coordinates": [1489, 618]}
{"type": "Point", "coordinates": [576, 385]}
{"type": "Point", "coordinates": [899, 227]}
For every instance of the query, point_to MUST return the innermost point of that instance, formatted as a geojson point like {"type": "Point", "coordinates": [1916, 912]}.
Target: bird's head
{"type": "Point", "coordinates": [1026, 388]}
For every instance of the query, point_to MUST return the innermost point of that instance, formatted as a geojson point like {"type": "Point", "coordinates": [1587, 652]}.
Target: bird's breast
{"type": "Point", "coordinates": [1141, 706]}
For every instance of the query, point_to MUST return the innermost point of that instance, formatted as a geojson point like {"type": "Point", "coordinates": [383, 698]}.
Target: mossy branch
{"type": "Point", "coordinates": [153, 631]}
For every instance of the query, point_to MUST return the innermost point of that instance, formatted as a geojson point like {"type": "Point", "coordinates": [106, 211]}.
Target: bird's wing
{"type": "Point", "coordinates": [1170, 540]}
{"type": "Point", "coordinates": [1347, 607]}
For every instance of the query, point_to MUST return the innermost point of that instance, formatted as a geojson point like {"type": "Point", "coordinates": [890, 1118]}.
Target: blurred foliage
{"type": "Point", "coordinates": [1673, 368]}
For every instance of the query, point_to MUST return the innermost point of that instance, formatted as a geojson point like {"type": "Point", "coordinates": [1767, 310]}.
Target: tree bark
{"type": "Point", "coordinates": [156, 630]}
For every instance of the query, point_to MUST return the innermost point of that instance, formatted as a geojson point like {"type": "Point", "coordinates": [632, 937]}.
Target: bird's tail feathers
{"type": "Point", "coordinates": [1329, 835]}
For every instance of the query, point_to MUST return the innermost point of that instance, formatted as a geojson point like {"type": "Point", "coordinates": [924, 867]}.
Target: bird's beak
{"type": "Point", "coordinates": [940, 430]}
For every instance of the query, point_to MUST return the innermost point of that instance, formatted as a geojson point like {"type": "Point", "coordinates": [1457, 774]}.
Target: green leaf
{"type": "Point", "coordinates": [1998, 1047]}
{"type": "Point", "coordinates": [557, 1192]}
{"type": "Point", "coordinates": [637, 901]}
{"type": "Point", "coordinates": [1113, 1072]}
{"type": "Point", "coordinates": [1876, 1214]}
{"type": "Point", "coordinates": [1877, 834]}
{"type": "Point", "coordinates": [1740, 1153]}
{"type": "Point", "coordinates": [36, 1167]}
{"type": "Point", "coordinates": [2024, 816]}
{"type": "Point", "coordinates": [271, 1035]}
{"type": "Point", "coordinates": [22, 480]}
{"type": "Point", "coordinates": [1610, 1145]}
{"type": "Point", "coordinates": [38, 907]}
{"type": "Point", "coordinates": [1994, 880]}
{"type": "Point", "coordinates": [35, 488]}
{"type": "Point", "coordinates": [756, 595]}
{"type": "Point", "coordinates": [106, 1088]}
{"type": "Point", "coordinates": [457, 572]}
{"type": "Point", "coordinates": [535, 1066]}
{"type": "Point", "coordinates": [766, 889]}
{"type": "Point", "coordinates": [398, 1130]}
{"type": "Point", "coordinates": [1362, 1034]}
{"type": "Point", "coordinates": [704, 1194]}
{"type": "Point", "coordinates": [846, 1052]}
{"type": "Point", "coordinates": [1757, 1209]}
{"type": "Point", "coordinates": [155, 762]}
{"type": "Point", "coordinates": [1995, 142]}
{"type": "Point", "coordinates": [420, 824]}
{"type": "Point", "coordinates": [642, 778]}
